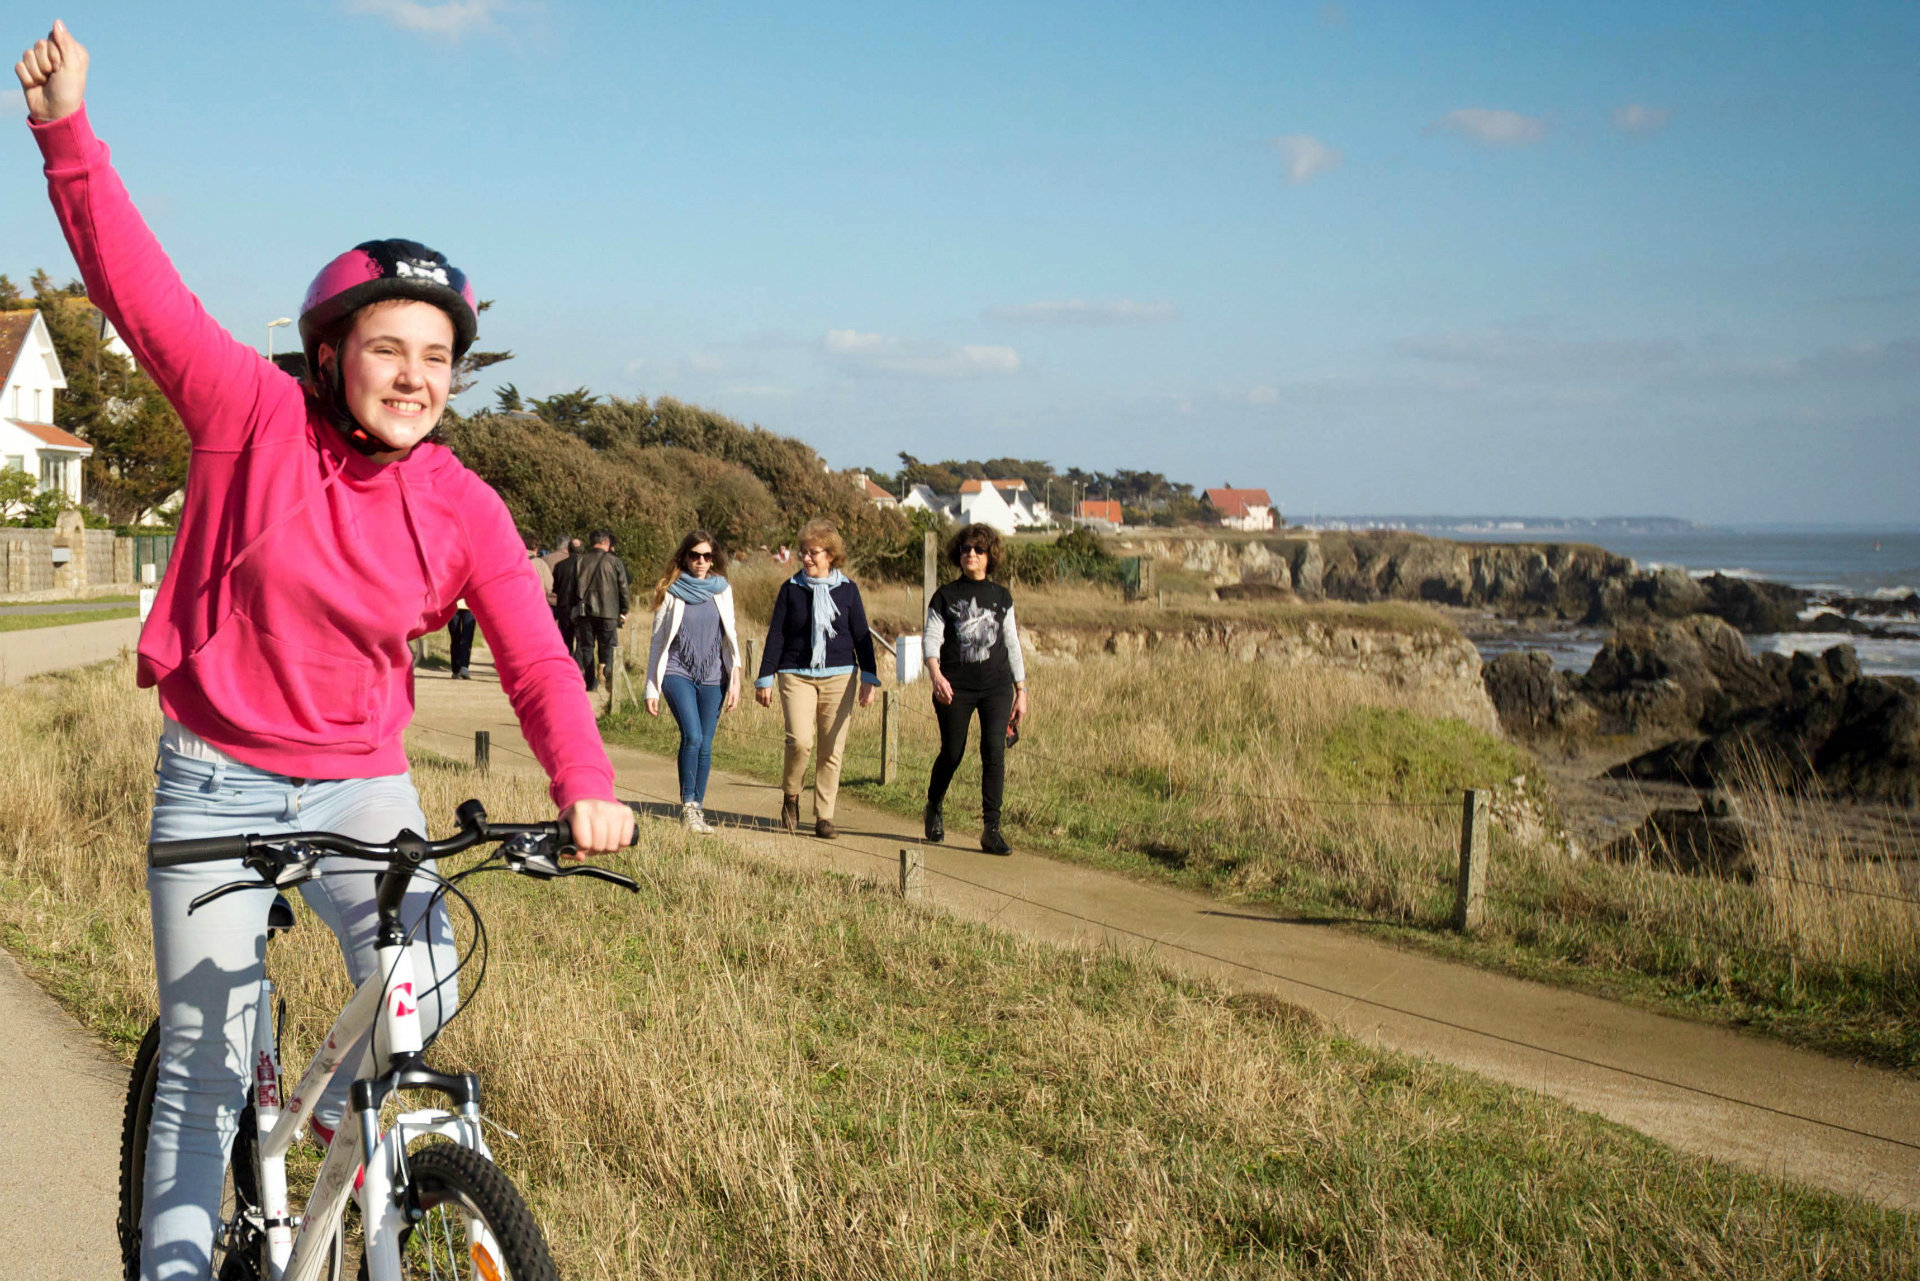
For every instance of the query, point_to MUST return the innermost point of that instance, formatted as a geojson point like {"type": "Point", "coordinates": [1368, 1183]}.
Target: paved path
{"type": "Point", "coordinates": [60, 1103]}
{"type": "Point", "coordinates": [66, 607]}
{"type": "Point", "coordinates": [50, 649]}
{"type": "Point", "coordinates": [1744, 1099]}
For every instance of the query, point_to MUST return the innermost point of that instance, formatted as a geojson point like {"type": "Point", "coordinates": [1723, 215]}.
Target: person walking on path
{"type": "Point", "coordinates": [973, 659]}
{"type": "Point", "coordinates": [460, 631]}
{"type": "Point", "coordinates": [694, 661]}
{"type": "Point", "coordinates": [816, 641]}
{"type": "Point", "coordinates": [600, 593]}
{"type": "Point", "coordinates": [566, 565]}
{"type": "Point", "coordinates": [286, 696]}
{"type": "Point", "coordinates": [541, 566]}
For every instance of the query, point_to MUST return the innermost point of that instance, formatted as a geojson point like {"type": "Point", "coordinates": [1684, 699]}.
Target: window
{"type": "Point", "coordinates": [17, 461]}
{"type": "Point", "coordinates": [39, 405]}
{"type": "Point", "coordinates": [53, 473]}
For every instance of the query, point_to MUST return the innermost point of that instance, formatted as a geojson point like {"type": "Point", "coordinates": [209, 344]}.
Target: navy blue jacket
{"type": "Point", "coordinates": [790, 634]}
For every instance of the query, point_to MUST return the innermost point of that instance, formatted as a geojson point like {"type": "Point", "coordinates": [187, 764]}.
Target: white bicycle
{"type": "Point", "coordinates": [432, 1203]}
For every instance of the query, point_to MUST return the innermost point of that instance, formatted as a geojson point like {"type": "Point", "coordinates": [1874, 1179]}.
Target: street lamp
{"type": "Point", "coordinates": [271, 326]}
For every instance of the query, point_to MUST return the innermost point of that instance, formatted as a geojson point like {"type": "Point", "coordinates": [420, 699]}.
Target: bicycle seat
{"type": "Point", "coordinates": [279, 916]}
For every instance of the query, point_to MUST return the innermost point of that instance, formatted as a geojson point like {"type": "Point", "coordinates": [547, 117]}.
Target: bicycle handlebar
{"type": "Point", "coordinates": [288, 857]}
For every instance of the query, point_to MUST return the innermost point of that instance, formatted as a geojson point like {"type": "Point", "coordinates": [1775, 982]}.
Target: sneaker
{"type": "Point", "coordinates": [935, 823]}
{"type": "Point", "coordinates": [993, 842]}
{"type": "Point", "coordinates": [693, 819]}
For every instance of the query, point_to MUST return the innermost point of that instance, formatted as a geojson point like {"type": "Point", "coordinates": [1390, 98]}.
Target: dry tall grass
{"type": "Point", "coordinates": [1319, 788]}
{"type": "Point", "coordinates": [744, 1073]}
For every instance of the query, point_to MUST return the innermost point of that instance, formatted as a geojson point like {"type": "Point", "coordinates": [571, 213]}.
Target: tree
{"type": "Point", "coordinates": [140, 449]}
{"type": "Point", "coordinates": [506, 400]}
{"type": "Point", "coordinates": [11, 299]}
{"type": "Point", "coordinates": [18, 489]}
{"type": "Point", "coordinates": [467, 372]}
{"type": "Point", "coordinates": [567, 410]}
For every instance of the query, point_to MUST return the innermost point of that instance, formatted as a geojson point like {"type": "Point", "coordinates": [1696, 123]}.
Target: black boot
{"type": "Point", "coordinates": [992, 841]}
{"type": "Point", "coordinates": [936, 824]}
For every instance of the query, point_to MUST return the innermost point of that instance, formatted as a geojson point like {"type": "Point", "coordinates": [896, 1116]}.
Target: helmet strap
{"type": "Point", "coordinates": [333, 405]}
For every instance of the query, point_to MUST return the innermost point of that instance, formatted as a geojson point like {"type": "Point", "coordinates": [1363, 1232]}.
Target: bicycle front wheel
{"type": "Point", "coordinates": [474, 1223]}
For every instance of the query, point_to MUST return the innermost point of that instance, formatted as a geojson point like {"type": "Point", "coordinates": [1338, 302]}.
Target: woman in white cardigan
{"type": "Point", "coordinates": [694, 661]}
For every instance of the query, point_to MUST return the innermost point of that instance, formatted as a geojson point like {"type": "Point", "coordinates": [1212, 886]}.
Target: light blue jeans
{"type": "Point", "coordinates": [210, 965]}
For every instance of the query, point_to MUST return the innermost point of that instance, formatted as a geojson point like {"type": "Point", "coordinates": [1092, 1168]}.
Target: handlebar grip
{"type": "Point", "coordinates": [202, 849]}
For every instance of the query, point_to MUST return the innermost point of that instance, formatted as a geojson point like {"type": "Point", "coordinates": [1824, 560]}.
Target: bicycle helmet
{"type": "Point", "coordinates": [376, 271]}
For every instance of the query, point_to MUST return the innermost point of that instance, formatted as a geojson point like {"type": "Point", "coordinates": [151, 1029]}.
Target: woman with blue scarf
{"type": "Point", "coordinates": [817, 642]}
{"type": "Point", "coordinates": [694, 661]}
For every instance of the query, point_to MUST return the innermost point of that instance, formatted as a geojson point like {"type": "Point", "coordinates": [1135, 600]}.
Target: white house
{"type": "Point", "coordinates": [29, 377]}
{"type": "Point", "coordinates": [1243, 508]}
{"type": "Point", "coordinates": [875, 494]}
{"type": "Point", "coordinates": [924, 499]}
{"type": "Point", "coordinates": [1004, 504]}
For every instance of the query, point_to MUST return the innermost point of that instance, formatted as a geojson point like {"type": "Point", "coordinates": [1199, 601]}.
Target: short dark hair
{"type": "Point", "coordinates": [977, 535]}
{"type": "Point", "coordinates": [599, 536]}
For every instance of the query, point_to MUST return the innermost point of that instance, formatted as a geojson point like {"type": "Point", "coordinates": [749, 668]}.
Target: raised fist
{"type": "Point", "coordinates": [53, 75]}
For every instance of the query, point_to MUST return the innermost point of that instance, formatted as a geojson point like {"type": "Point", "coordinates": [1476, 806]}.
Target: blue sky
{"type": "Point", "coordinates": [1547, 258]}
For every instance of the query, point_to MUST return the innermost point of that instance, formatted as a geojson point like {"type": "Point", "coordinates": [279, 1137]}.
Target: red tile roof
{"type": "Point", "coordinates": [1234, 502]}
{"type": "Point", "coordinates": [1107, 509]}
{"type": "Point", "coordinates": [51, 435]}
{"type": "Point", "coordinates": [877, 491]}
{"type": "Point", "coordinates": [13, 335]}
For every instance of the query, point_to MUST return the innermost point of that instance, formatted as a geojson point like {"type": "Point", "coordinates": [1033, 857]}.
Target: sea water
{"type": "Point", "coordinates": [1826, 562]}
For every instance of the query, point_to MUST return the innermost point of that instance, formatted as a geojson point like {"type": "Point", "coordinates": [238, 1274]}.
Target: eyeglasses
{"type": "Point", "coordinates": [973, 551]}
{"type": "Point", "coordinates": [810, 552]}
{"type": "Point", "coordinates": [699, 555]}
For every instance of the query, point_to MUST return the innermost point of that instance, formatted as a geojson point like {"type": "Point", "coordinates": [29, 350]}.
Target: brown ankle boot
{"type": "Point", "coordinates": [823, 828]}
{"type": "Point", "coordinates": [790, 811]}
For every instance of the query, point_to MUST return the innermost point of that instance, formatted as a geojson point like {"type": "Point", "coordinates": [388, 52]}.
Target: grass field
{"type": "Point", "coordinates": [744, 1072]}
{"type": "Point", "coordinates": [1321, 790]}
{"type": "Point", "coordinates": [28, 622]}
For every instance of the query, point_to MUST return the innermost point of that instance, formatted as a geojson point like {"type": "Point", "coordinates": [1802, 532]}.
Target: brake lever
{"type": "Point", "coordinates": [602, 874]}
{"type": "Point", "coordinates": [233, 888]}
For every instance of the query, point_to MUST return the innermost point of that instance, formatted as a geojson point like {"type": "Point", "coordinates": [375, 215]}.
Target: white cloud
{"type": "Point", "coordinates": [448, 18]}
{"type": "Point", "coordinates": [1078, 311]}
{"type": "Point", "coordinates": [1637, 117]}
{"type": "Point", "coordinates": [880, 354]}
{"type": "Point", "coordinates": [1492, 127]}
{"type": "Point", "coordinates": [1306, 156]}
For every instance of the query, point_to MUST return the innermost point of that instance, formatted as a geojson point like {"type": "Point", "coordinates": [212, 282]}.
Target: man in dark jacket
{"type": "Point", "coordinates": [600, 583]}
{"type": "Point", "coordinates": [565, 562]}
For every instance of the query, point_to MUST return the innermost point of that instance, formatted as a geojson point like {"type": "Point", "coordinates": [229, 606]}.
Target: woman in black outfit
{"type": "Point", "coordinates": [973, 657]}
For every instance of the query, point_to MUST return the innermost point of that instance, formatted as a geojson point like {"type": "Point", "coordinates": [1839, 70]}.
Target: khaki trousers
{"type": "Point", "coordinates": [816, 707]}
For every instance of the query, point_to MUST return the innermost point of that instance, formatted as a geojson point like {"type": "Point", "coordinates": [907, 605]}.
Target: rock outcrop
{"type": "Point", "coordinates": [1855, 736]}
{"type": "Point", "coordinates": [1677, 677]}
{"type": "Point", "coordinates": [1712, 840]}
{"type": "Point", "coordinates": [1534, 699]}
{"type": "Point", "coordinates": [1442, 662]}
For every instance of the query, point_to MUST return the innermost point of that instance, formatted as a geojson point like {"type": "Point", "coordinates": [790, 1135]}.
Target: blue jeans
{"type": "Point", "coordinates": [209, 967]}
{"type": "Point", "coordinates": [697, 708]}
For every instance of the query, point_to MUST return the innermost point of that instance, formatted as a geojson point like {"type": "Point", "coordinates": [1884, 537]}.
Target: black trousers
{"type": "Point", "coordinates": [460, 634]}
{"type": "Point", "coordinates": [994, 707]}
{"type": "Point", "coordinates": [590, 634]}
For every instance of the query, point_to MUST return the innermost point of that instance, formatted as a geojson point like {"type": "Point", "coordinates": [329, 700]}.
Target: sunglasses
{"type": "Point", "coordinates": [699, 555]}
{"type": "Point", "coordinates": [973, 551]}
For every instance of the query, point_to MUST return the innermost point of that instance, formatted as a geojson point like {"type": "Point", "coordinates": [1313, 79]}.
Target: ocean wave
{"type": "Point", "coordinates": [1877, 657]}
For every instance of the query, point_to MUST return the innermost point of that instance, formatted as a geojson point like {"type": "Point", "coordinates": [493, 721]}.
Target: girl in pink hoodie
{"type": "Point", "coordinates": [322, 531]}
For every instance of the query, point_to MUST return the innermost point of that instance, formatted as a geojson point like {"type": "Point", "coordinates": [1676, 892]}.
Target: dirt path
{"type": "Point", "coordinates": [1746, 1100]}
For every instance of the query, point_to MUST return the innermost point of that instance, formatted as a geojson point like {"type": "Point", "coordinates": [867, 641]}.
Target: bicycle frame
{"type": "Point", "coordinates": [385, 1003]}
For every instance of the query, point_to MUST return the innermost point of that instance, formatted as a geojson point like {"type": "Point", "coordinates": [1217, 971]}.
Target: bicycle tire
{"type": "Point", "coordinates": [240, 1188]}
{"type": "Point", "coordinates": [452, 1184]}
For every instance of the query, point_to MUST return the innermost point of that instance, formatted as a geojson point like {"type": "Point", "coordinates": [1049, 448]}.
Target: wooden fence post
{"type": "Point", "coordinates": [482, 750]}
{"type": "Point", "coordinates": [1470, 890]}
{"type": "Point", "coordinates": [753, 664]}
{"type": "Point", "coordinates": [913, 873]}
{"type": "Point", "coordinates": [889, 736]}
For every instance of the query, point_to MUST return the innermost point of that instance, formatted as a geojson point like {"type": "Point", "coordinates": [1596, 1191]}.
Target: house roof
{"type": "Point", "coordinates": [876, 491]}
{"type": "Point", "coordinates": [1235, 502]}
{"type": "Point", "coordinates": [974, 486]}
{"type": "Point", "coordinates": [48, 434]}
{"type": "Point", "coordinates": [1101, 509]}
{"type": "Point", "coordinates": [14, 327]}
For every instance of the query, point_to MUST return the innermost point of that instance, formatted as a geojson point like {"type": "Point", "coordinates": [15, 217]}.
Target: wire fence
{"type": "Point", "coordinates": [1163, 944]}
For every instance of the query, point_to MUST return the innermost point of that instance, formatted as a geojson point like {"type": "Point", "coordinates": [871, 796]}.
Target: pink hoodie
{"type": "Point", "coordinates": [279, 634]}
